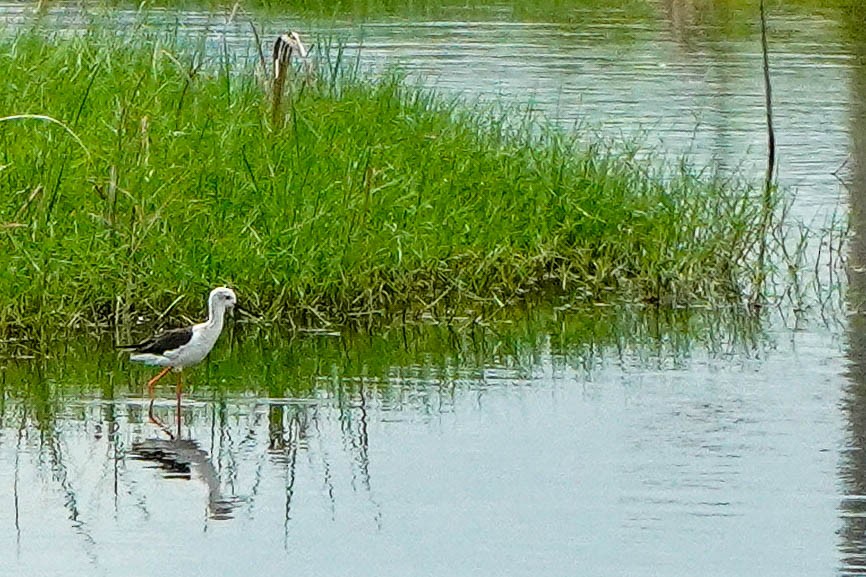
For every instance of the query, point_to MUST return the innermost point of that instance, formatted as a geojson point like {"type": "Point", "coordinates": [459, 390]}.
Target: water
{"type": "Point", "coordinates": [551, 442]}
{"type": "Point", "coordinates": [607, 442]}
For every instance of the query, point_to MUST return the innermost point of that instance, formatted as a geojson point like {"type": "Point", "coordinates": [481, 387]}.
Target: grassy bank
{"type": "Point", "coordinates": [571, 11]}
{"type": "Point", "coordinates": [731, 14]}
{"type": "Point", "coordinates": [371, 197]}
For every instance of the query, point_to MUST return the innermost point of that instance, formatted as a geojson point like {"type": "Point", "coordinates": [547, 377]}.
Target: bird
{"type": "Point", "coordinates": [284, 47]}
{"type": "Point", "coordinates": [177, 349]}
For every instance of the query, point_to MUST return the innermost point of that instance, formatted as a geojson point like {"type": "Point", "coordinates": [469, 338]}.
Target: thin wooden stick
{"type": "Point", "coordinates": [768, 101]}
{"type": "Point", "coordinates": [758, 288]}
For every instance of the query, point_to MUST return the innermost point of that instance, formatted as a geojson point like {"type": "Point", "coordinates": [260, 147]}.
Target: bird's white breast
{"type": "Point", "coordinates": [204, 337]}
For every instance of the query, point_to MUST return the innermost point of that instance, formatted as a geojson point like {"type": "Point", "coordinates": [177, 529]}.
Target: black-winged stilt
{"type": "Point", "coordinates": [179, 348]}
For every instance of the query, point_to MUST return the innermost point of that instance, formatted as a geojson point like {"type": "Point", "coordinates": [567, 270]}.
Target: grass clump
{"type": "Point", "coordinates": [373, 197]}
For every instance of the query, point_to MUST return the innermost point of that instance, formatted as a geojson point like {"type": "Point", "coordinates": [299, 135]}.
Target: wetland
{"type": "Point", "coordinates": [581, 399]}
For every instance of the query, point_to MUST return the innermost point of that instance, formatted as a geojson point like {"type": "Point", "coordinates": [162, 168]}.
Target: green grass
{"type": "Point", "coordinates": [730, 14]}
{"type": "Point", "coordinates": [559, 11]}
{"type": "Point", "coordinates": [374, 197]}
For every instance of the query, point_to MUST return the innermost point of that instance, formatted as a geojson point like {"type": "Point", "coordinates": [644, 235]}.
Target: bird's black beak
{"type": "Point", "coordinates": [244, 312]}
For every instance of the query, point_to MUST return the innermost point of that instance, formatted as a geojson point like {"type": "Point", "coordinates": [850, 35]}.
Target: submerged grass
{"type": "Point", "coordinates": [372, 197]}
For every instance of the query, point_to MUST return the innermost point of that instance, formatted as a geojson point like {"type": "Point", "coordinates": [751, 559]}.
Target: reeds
{"type": "Point", "coordinates": [370, 197]}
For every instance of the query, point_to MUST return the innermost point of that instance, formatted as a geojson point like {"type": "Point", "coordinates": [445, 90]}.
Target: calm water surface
{"type": "Point", "coordinates": [609, 442]}
{"type": "Point", "coordinates": [559, 446]}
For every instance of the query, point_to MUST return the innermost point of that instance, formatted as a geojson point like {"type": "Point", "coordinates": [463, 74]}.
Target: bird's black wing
{"type": "Point", "coordinates": [166, 341]}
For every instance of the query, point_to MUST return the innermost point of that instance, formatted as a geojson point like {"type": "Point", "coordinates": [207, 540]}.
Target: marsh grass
{"type": "Point", "coordinates": [374, 197]}
{"type": "Point", "coordinates": [559, 11]}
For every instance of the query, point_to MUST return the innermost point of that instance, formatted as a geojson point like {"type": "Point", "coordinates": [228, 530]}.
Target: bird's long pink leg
{"type": "Point", "coordinates": [150, 385]}
{"type": "Point", "coordinates": [179, 392]}
{"type": "Point", "coordinates": [159, 423]}
{"type": "Point", "coordinates": [152, 382]}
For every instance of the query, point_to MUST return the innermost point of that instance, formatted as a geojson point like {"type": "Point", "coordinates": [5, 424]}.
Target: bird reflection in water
{"type": "Point", "coordinates": [184, 459]}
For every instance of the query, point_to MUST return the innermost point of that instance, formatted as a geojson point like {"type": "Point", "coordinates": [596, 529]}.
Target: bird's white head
{"type": "Point", "coordinates": [222, 297]}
